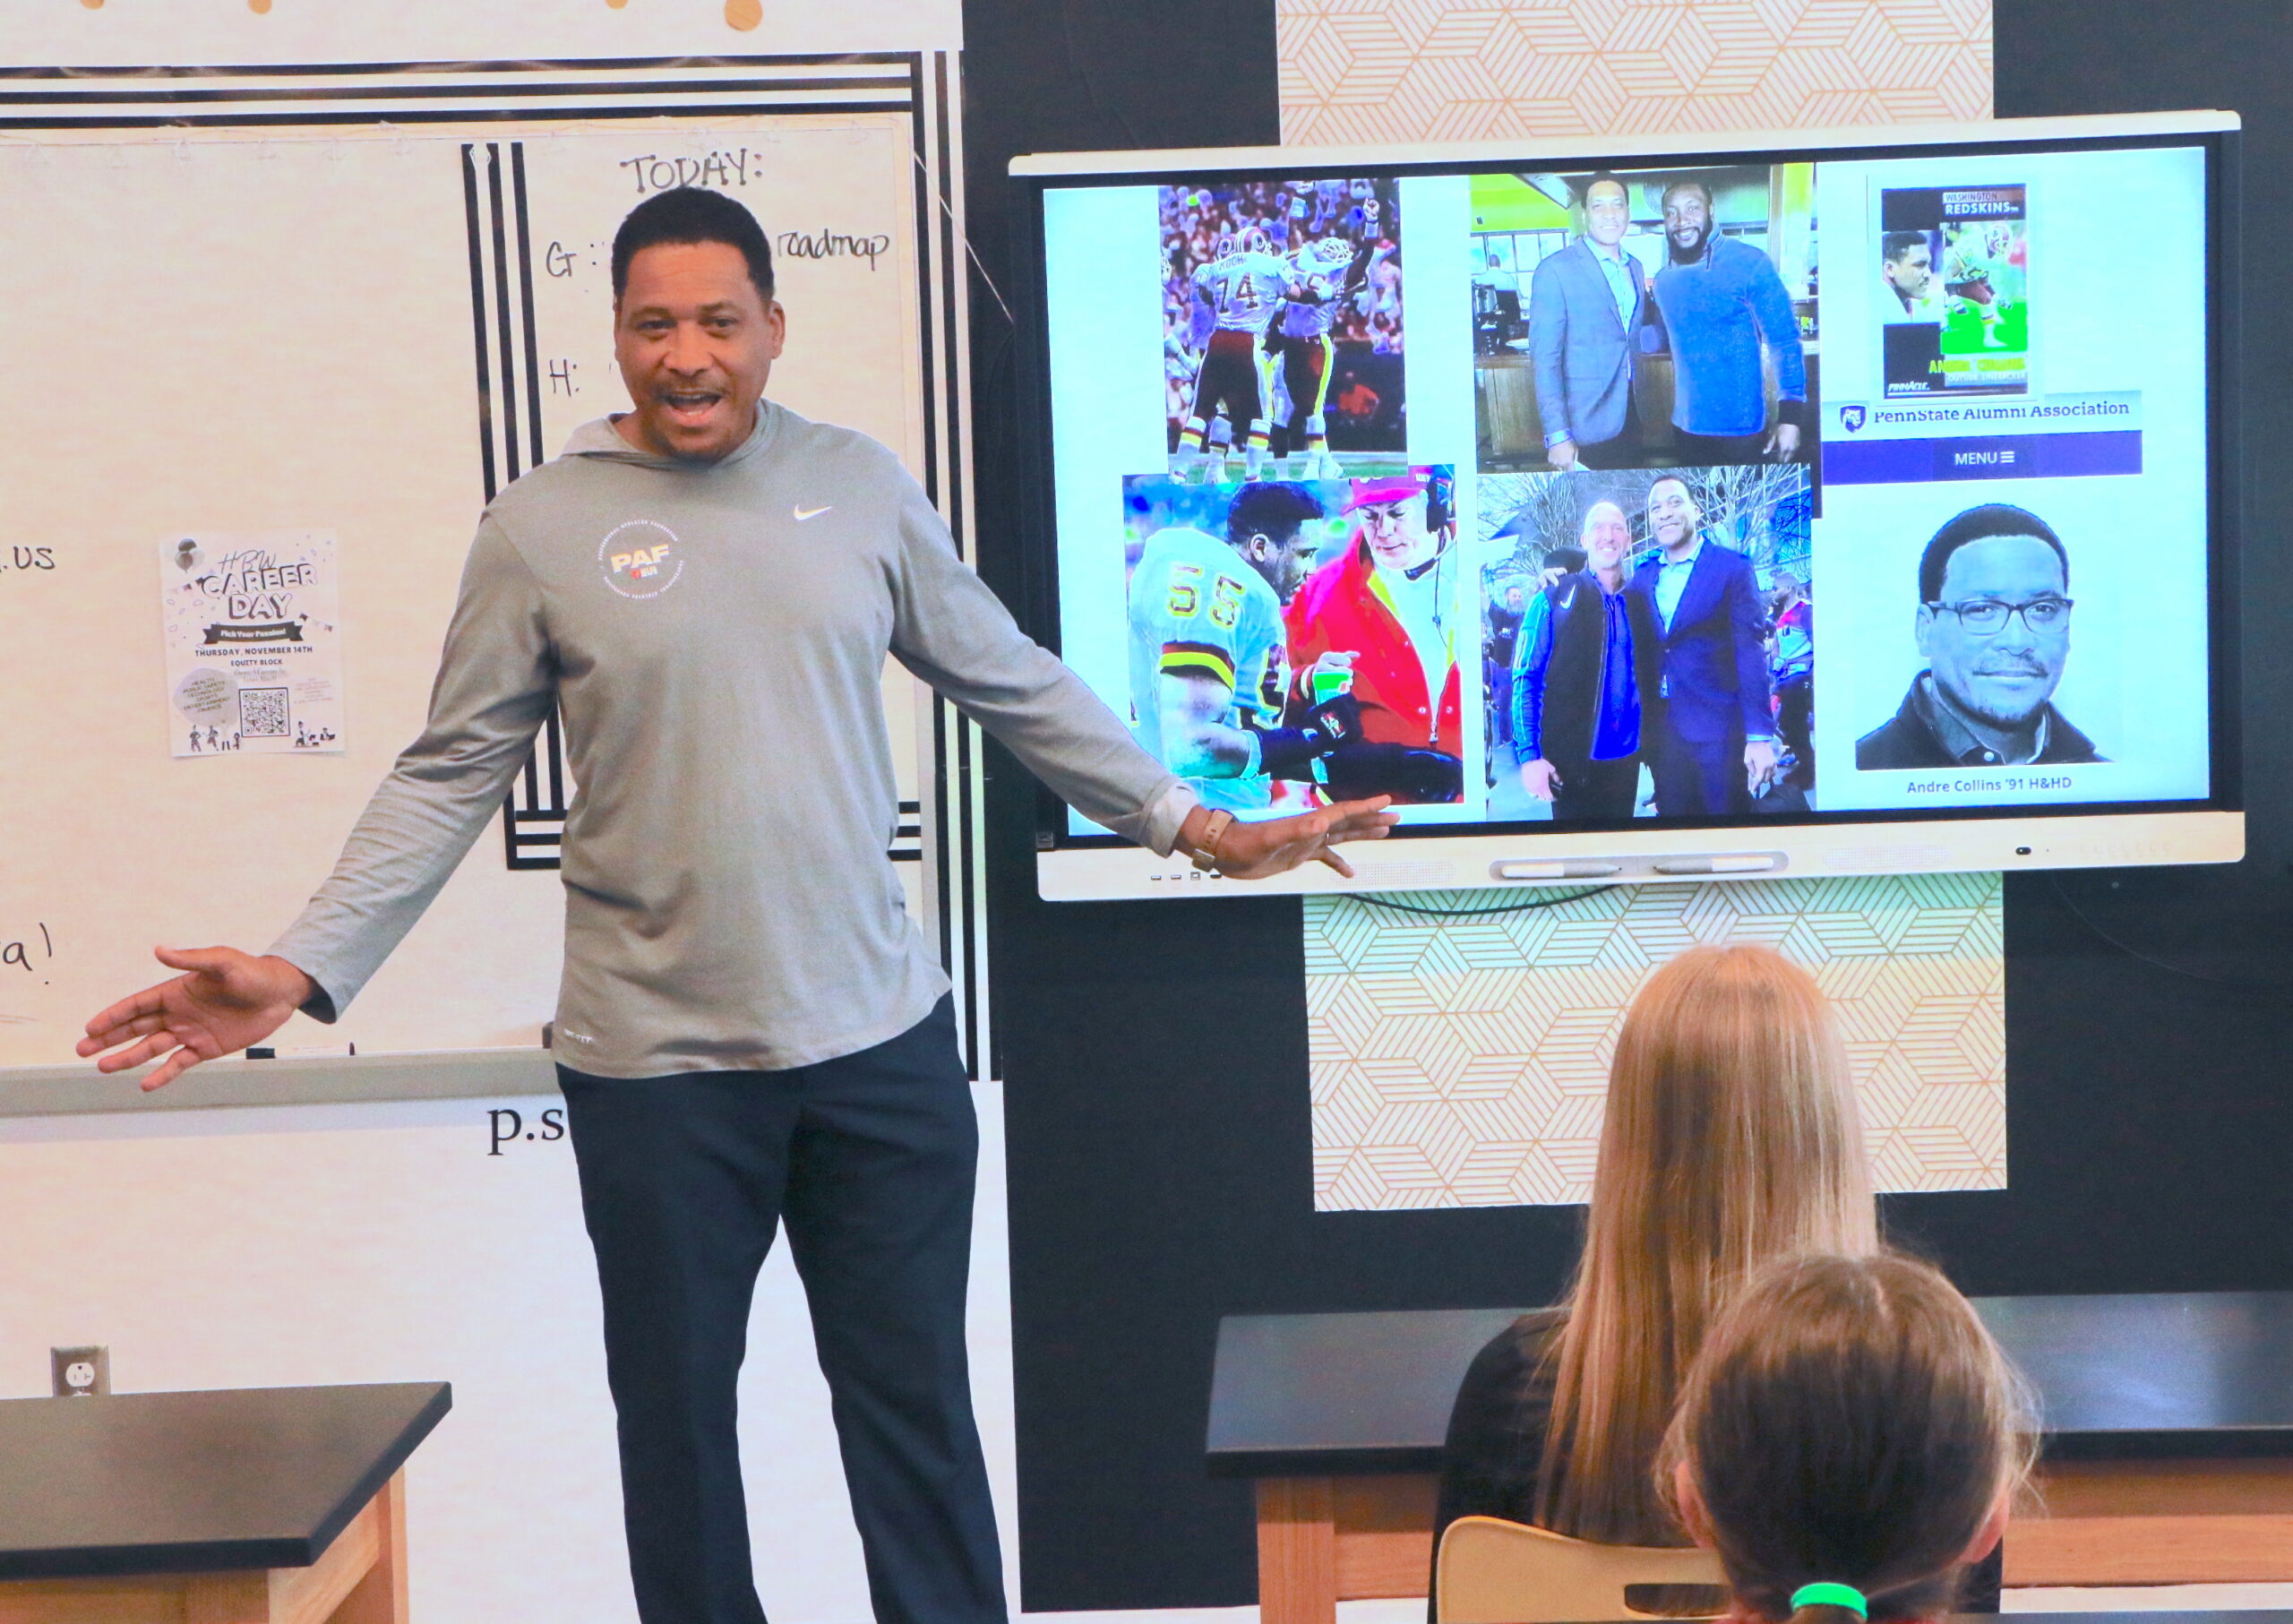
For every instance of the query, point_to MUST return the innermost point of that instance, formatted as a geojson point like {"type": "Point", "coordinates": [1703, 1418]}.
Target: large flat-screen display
{"type": "Point", "coordinates": [1784, 504]}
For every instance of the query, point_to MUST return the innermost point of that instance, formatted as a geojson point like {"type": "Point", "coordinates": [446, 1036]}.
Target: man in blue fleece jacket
{"type": "Point", "coordinates": [1721, 300]}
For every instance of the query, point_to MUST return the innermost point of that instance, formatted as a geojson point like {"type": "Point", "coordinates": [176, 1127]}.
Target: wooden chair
{"type": "Point", "coordinates": [1495, 1572]}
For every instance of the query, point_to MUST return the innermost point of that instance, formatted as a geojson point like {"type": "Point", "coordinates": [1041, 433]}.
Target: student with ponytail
{"type": "Point", "coordinates": [1732, 1137]}
{"type": "Point", "coordinates": [1849, 1442]}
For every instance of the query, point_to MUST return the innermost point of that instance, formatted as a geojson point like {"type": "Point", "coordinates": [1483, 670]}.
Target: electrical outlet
{"type": "Point", "coordinates": [80, 1373]}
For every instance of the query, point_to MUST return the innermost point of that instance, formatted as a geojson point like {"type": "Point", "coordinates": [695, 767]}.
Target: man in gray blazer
{"type": "Point", "coordinates": [1586, 303]}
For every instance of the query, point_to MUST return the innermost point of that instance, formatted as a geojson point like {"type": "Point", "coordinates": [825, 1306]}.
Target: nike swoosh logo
{"type": "Point", "coordinates": [804, 514]}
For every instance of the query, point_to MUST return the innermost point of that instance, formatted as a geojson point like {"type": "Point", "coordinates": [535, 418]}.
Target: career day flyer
{"type": "Point", "coordinates": [253, 643]}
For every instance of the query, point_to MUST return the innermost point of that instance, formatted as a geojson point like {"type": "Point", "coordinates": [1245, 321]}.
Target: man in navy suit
{"type": "Point", "coordinates": [1586, 303]}
{"type": "Point", "coordinates": [1713, 740]}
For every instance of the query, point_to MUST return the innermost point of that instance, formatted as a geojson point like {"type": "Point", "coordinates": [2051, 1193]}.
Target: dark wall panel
{"type": "Point", "coordinates": [1154, 1056]}
{"type": "Point", "coordinates": [1104, 1013]}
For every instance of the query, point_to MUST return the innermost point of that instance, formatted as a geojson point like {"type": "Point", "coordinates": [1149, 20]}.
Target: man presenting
{"type": "Point", "coordinates": [1713, 743]}
{"type": "Point", "coordinates": [1585, 304]}
{"type": "Point", "coordinates": [1576, 712]}
{"type": "Point", "coordinates": [1994, 629]}
{"type": "Point", "coordinates": [1721, 301]}
{"type": "Point", "coordinates": [708, 588]}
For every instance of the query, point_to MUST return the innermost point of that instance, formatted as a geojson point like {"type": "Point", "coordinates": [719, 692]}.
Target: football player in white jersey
{"type": "Point", "coordinates": [1234, 379]}
{"type": "Point", "coordinates": [1971, 256]}
{"type": "Point", "coordinates": [1207, 666]}
{"type": "Point", "coordinates": [1322, 275]}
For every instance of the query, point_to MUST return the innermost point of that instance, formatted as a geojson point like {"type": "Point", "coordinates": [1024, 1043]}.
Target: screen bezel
{"type": "Point", "coordinates": [2215, 133]}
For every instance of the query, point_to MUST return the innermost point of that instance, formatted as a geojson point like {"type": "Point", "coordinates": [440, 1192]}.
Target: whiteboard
{"type": "Point", "coordinates": [218, 333]}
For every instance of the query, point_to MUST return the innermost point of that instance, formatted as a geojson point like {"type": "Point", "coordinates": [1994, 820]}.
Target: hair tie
{"type": "Point", "coordinates": [1827, 1595]}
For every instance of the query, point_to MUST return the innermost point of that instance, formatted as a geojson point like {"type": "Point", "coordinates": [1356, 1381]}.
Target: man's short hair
{"type": "Point", "coordinates": [1679, 480]}
{"type": "Point", "coordinates": [1980, 524]}
{"type": "Point", "coordinates": [1604, 178]}
{"type": "Point", "coordinates": [1270, 509]}
{"type": "Point", "coordinates": [692, 214]}
{"type": "Point", "coordinates": [1896, 243]}
{"type": "Point", "coordinates": [1687, 183]}
{"type": "Point", "coordinates": [1568, 559]}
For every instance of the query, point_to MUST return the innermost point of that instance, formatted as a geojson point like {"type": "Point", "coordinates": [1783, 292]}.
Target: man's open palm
{"type": "Point", "coordinates": [1274, 846]}
{"type": "Point", "coordinates": [225, 1001]}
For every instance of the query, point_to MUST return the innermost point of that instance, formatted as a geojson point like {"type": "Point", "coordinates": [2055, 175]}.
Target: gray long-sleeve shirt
{"type": "Point", "coordinates": [715, 635]}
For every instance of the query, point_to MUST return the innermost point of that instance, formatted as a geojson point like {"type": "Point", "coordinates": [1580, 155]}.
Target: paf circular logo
{"type": "Point", "coordinates": [640, 558]}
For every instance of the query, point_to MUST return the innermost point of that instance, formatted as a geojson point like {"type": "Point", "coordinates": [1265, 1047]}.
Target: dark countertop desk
{"type": "Point", "coordinates": [251, 1505]}
{"type": "Point", "coordinates": [2240, 1615]}
{"type": "Point", "coordinates": [2169, 1447]}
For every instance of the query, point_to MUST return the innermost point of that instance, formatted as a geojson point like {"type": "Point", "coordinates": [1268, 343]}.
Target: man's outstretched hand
{"type": "Point", "coordinates": [225, 1001]}
{"type": "Point", "coordinates": [1252, 851]}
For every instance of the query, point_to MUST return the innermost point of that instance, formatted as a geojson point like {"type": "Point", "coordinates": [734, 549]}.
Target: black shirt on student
{"type": "Point", "coordinates": [1495, 1445]}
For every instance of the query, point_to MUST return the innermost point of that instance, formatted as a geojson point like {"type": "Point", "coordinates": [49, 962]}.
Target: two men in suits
{"type": "Point", "coordinates": [1587, 304]}
{"type": "Point", "coordinates": [1712, 744]}
{"type": "Point", "coordinates": [1666, 666]}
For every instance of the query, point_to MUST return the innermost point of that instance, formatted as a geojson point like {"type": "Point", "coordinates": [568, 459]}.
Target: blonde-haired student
{"type": "Point", "coordinates": [1731, 1136]}
{"type": "Point", "coordinates": [1850, 1443]}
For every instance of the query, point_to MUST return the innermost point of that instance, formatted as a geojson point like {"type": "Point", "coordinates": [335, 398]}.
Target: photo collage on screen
{"type": "Point", "coordinates": [1511, 495]}
{"type": "Point", "coordinates": [1646, 362]}
{"type": "Point", "coordinates": [1260, 551]}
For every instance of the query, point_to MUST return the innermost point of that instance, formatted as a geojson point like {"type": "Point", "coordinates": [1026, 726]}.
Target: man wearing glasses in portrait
{"type": "Point", "coordinates": [1994, 627]}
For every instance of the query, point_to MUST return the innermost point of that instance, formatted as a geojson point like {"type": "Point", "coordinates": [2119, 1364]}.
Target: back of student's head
{"type": "Point", "coordinates": [1849, 1422]}
{"type": "Point", "coordinates": [1731, 1136]}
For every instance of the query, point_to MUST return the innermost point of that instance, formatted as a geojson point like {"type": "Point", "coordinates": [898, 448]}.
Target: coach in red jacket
{"type": "Point", "coordinates": [1386, 612]}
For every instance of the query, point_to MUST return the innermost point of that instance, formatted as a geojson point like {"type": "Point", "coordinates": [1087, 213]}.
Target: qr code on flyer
{"type": "Point", "coordinates": [263, 713]}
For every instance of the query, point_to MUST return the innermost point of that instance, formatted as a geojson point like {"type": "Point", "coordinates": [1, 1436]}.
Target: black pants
{"type": "Point", "coordinates": [1696, 778]}
{"type": "Point", "coordinates": [1622, 452]}
{"type": "Point", "coordinates": [1718, 450]}
{"type": "Point", "coordinates": [1595, 789]}
{"type": "Point", "coordinates": [869, 1160]}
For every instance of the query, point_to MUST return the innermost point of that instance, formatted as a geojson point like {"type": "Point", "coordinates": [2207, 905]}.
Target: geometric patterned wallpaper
{"type": "Point", "coordinates": [1462, 1060]}
{"type": "Point", "coordinates": [1381, 71]}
